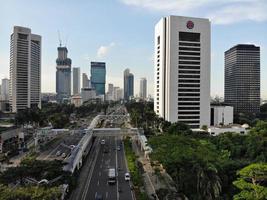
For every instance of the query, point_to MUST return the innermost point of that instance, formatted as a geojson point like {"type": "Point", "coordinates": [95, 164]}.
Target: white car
{"type": "Point", "coordinates": [103, 142]}
{"type": "Point", "coordinates": [127, 176]}
{"type": "Point", "coordinates": [63, 155]}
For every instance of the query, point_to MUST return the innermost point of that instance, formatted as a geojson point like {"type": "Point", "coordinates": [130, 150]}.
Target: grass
{"type": "Point", "coordinates": [135, 174]}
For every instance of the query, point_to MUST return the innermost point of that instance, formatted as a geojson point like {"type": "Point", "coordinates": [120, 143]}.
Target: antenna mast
{"type": "Point", "coordinates": [60, 41]}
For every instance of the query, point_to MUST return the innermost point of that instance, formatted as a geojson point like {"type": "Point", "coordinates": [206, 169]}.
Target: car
{"type": "Point", "coordinates": [98, 197]}
{"type": "Point", "coordinates": [58, 153]}
{"type": "Point", "coordinates": [127, 176]}
{"type": "Point", "coordinates": [63, 155]}
{"type": "Point", "coordinates": [103, 141]}
{"type": "Point", "coordinates": [106, 150]}
{"type": "Point", "coordinates": [72, 146]}
{"type": "Point", "coordinates": [118, 148]}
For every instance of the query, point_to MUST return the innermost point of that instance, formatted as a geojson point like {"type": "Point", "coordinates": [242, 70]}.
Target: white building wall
{"type": "Point", "coordinates": [167, 70]}
{"type": "Point", "coordinates": [25, 69]}
{"type": "Point", "coordinates": [223, 115]}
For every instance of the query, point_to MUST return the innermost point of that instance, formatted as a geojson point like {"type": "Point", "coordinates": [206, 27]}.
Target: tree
{"type": "Point", "coordinates": [179, 128]}
{"type": "Point", "coordinates": [251, 182]}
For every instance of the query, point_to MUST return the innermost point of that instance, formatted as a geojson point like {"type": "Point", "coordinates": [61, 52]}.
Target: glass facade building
{"type": "Point", "coordinates": [98, 77]}
{"type": "Point", "coordinates": [242, 78]}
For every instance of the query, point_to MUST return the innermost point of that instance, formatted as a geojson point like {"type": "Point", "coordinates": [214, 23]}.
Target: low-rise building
{"type": "Point", "coordinates": [76, 100]}
{"type": "Point", "coordinates": [234, 128]}
{"type": "Point", "coordinates": [88, 94]}
{"type": "Point", "coordinates": [221, 114]}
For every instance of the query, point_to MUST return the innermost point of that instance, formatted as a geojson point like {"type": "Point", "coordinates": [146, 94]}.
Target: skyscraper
{"type": "Point", "coordinates": [143, 88]}
{"type": "Point", "coordinates": [98, 77]}
{"type": "Point", "coordinates": [182, 70]}
{"type": "Point", "coordinates": [5, 89]}
{"type": "Point", "coordinates": [242, 78]}
{"type": "Point", "coordinates": [85, 81]}
{"type": "Point", "coordinates": [25, 69]}
{"type": "Point", "coordinates": [76, 80]}
{"type": "Point", "coordinates": [63, 74]}
{"type": "Point", "coordinates": [110, 93]}
{"type": "Point", "coordinates": [128, 84]}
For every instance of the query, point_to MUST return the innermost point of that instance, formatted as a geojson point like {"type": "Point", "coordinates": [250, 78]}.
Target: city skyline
{"type": "Point", "coordinates": [115, 48]}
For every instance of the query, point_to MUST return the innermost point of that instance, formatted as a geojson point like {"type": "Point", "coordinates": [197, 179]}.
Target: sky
{"type": "Point", "coordinates": [121, 33]}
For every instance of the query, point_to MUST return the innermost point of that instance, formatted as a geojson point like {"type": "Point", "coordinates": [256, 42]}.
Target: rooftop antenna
{"type": "Point", "coordinates": [60, 42]}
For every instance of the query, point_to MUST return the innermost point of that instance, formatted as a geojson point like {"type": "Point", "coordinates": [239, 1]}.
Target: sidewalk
{"type": "Point", "coordinates": [151, 180]}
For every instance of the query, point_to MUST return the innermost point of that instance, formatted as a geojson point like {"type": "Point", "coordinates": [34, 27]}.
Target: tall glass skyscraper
{"type": "Point", "coordinates": [98, 77]}
{"type": "Point", "coordinates": [242, 78]}
{"type": "Point", "coordinates": [128, 84]}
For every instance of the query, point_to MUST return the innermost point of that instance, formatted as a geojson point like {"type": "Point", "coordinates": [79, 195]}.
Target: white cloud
{"type": "Point", "coordinates": [104, 50]}
{"type": "Point", "coordinates": [220, 12]}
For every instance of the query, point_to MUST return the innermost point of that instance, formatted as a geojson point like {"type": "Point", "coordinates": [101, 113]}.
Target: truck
{"type": "Point", "coordinates": [111, 176]}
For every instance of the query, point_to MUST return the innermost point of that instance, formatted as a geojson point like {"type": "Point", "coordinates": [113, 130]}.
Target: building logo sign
{"type": "Point", "coordinates": [190, 25]}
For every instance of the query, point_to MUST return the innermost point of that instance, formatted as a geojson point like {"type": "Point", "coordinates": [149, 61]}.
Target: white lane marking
{"type": "Point", "coordinates": [99, 173]}
{"type": "Point", "coordinates": [117, 169]}
{"type": "Point", "coordinates": [106, 195]}
{"type": "Point", "coordinates": [100, 166]}
{"type": "Point", "coordinates": [95, 194]}
{"type": "Point", "coordinates": [98, 182]}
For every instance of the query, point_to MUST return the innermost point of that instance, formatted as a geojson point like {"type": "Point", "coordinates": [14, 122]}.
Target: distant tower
{"type": "Point", "coordinates": [76, 80]}
{"type": "Point", "coordinates": [98, 77]}
{"type": "Point", "coordinates": [25, 69]}
{"type": "Point", "coordinates": [5, 89]}
{"type": "Point", "coordinates": [85, 81]}
{"type": "Point", "coordinates": [63, 74]}
{"type": "Point", "coordinates": [242, 78]}
{"type": "Point", "coordinates": [143, 88]}
{"type": "Point", "coordinates": [128, 84]}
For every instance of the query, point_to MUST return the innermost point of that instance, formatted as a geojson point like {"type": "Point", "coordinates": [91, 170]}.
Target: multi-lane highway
{"type": "Point", "coordinates": [93, 180]}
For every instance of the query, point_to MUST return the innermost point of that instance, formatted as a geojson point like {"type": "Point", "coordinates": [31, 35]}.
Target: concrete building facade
{"type": "Point", "coordinates": [63, 74]}
{"type": "Point", "coordinates": [5, 89]}
{"type": "Point", "coordinates": [76, 80]}
{"type": "Point", "coordinates": [221, 115]}
{"type": "Point", "coordinates": [143, 88]}
{"type": "Point", "coordinates": [25, 69]}
{"type": "Point", "coordinates": [182, 70]}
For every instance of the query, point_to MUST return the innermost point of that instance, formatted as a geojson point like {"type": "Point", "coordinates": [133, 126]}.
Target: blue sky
{"type": "Point", "coordinates": [121, 32]}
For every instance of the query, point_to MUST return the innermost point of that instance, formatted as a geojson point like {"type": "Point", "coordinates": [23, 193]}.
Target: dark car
{"type": "Point", "coordinates": [99, 197]}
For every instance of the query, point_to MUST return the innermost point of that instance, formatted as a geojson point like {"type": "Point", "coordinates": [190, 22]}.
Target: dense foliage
{"type": "Point", "coordinates": [57, 114]}
{"type": "Point", "coordinates": [252, 182]}
{"type": "Point", "coordinates": [202, 166]}
{"type": "Point", "coordinates": [32, 169]}
{"type": "Point", "coordinates": [29, 193]}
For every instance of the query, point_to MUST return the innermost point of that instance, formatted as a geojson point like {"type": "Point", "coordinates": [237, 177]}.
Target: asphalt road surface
{"type": "Point", "coordinates": [95, 178]}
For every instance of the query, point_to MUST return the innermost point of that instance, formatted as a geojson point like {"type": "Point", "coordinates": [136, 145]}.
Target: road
{"type": "Point", "coordinates": [95, 172]}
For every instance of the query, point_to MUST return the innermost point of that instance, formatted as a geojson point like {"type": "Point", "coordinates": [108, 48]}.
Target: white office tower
{"type": "Point", "coordinates": [143, 88]}
{"type": "Point", "coordinates": [5, 89]}
{"type": "Point", "coordinates": [76, 80]}
{"type": "Point", "coordinates": [25, 69]}
{"type": "Point", "coordinates": [182, 70]}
